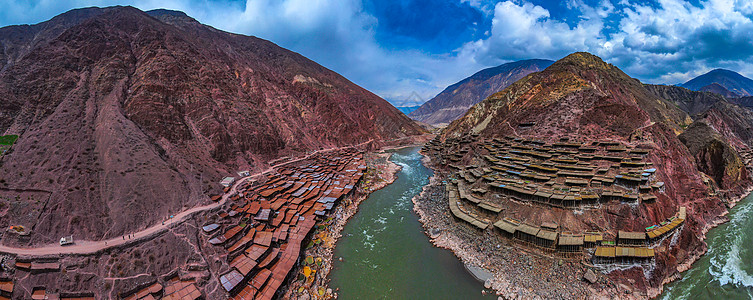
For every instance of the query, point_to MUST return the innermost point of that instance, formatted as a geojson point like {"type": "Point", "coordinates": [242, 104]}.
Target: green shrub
{"type": "Point", "coordinates": [8, 139]}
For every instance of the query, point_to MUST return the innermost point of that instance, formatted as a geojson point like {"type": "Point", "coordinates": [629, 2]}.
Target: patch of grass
{"type": "Point", "coordinates": [8, 140]}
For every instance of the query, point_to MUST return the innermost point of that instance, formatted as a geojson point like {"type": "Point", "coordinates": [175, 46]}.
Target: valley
{"type": "Point", "coordinates": [147, 155]}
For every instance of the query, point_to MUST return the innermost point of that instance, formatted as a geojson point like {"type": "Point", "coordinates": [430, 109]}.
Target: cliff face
{"type": "Point", "coordinates": [125, 116]}
{"type": "Point", "coordinates": [714, 155]}
{"type": "Point", "coordinates": [584, 98]}
{"type": "Point", "coordinates": [455, 100]}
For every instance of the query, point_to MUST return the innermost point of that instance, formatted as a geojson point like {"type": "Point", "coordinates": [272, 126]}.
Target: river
{"type": "Point", "coordinates": [726, 271]}
{"type": "Point", "coordinates": [386, 254]}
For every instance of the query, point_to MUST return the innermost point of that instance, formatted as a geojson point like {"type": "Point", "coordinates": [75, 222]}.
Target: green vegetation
{"type": "Point", "coordinates": [8, 140]}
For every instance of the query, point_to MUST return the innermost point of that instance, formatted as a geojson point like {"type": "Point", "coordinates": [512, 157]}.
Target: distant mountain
{"type": "Point", "coordinates": [408, 109]}
{"type": "Point", "coordinates": [127, 116]}
{"type": "Point", "coordinates": [731, 81]}
{"type": "Point", "coordinates": [456, 99]}
{"type": "Point", "coordinates": [718, 89]}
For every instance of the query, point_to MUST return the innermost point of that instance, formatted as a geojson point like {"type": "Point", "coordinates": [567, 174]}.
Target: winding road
{"type": "Point", "coordinates": [90, 247]}
{"type": "Point", "coordinates": [82, 247]}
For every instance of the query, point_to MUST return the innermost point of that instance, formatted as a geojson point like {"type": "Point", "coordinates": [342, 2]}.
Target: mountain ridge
{"type": "Point", "coordinates": [140, 114]}
{"type": "Point", "coordinates": [732, 81]}
{"type": "Point", "coordinates": [454, 100]}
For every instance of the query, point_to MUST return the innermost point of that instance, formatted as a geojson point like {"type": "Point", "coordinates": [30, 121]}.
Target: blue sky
{"type": "Point", "coordinates": [408, 51]}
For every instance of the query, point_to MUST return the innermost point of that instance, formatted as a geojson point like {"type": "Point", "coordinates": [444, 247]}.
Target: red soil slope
{"type": "Point", "coordinates": [127, 116]}
{"type": "Point", "coordinates": [582, 97]}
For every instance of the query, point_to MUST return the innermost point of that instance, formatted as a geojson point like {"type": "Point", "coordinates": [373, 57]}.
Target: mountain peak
{"type": "Point", "coordinates": [173, 17]}
{"type": "Point", "coordinates": [170, 12]}
{"type": "Point", "coordinates": [580, 95]}
{"type": "Point", "coordinates": [583, 60]}
{"type": "Point", "coordinates": [719, 89]}
{"type": "Point", "coordinates": [730, 80]}
{"type": "Point", "coordinates": [723, 71]}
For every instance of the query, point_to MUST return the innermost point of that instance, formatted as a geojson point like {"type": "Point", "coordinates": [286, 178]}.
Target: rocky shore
{"type": "Point", "coordinates": [382, 172]}
{"type": "Point", "coordinates": [687, 264]}
{"type": "Point", "coordinates": [517, 272]}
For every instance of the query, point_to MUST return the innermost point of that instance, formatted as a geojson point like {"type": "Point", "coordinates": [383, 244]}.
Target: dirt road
{"type": "Point", "coordinates": [90, 247]}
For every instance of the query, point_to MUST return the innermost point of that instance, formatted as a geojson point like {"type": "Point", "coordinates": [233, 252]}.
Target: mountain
{"type": "Point", "coordinates": [691, 102]}
{"type": "Point", "coordinates": [744, 101]}
{"type": "Point", "coordinates": [729, 118]}
{"type": "Point", "coordinates": [719, 130]}
{"type": "Point", "coordinates": [582, 98]}
{"type": "Point", "coordinates": [127, 116]}
{"type": "Point", "coordinates": [579, 95]}
{"type": "Point", "coordinates": [407, 109]}
{"type": "Point", "coordinates": [455, 100]}
{"type": "Point", "coordinates": [718, 89]}
{"type": "Point", "coordinates": [731, 81]}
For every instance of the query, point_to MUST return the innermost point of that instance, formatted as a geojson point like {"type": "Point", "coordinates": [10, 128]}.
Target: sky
{"type": "Point", "coordinates": [409, 51]}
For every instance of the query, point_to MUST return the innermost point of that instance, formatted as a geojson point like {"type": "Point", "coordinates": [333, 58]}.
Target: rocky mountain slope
{"type": "Point", "coordinates": [735, 84]}
{"type": "Point", "coordinates": [582, 97]}
{"type": "Point", "coordinates": [720, 130]}
{"type": "Point", "coordinates": [730, 119]}
{"type": "Point", "coordinates": [455, 100]}
{"type": "Point", "coordinates": [743, 101]}
{"type": "Point", "coordinates": [126, 116]}
{"type": "Point", "coordinates": [714, 154]}
{"type": "Point", "coordinates": [691, 102]}
{"type": "Point", "coordinates": [578, 95]}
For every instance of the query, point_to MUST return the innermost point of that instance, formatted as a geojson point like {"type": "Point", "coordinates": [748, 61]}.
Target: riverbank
{"type": "Point", "coordinates": [385, 253]}
{"type": "Point", "coordinates": [724, 272]}
{"type": "Point", "coordinates": [695, 257]}
{"type": "Point", "coordinates": [517, 273]}
{"type": "Point", "coordinates": [382, 172]}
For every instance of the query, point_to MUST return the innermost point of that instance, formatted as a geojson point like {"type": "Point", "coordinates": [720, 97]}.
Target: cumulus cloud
{"type": "Point", "coordinates": [678, 40]}
{"type": "Point", "coordinates": [337, 34]}
{"type": "Point", "coordinates": [521, 31]}
{"type": "Point", "coordinates": [669, 41]}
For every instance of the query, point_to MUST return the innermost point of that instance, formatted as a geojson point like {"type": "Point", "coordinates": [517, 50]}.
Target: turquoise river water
{"type": "Point", "coordinates": [386, 254]}
{"type": "Point", "coordinates": [726, 271]}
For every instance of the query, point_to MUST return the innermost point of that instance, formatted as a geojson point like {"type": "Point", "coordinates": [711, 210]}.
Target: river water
{"type": "Point", "coordinates": [726, 271]}
{"type": "Point", "coordinates": [386, 254]}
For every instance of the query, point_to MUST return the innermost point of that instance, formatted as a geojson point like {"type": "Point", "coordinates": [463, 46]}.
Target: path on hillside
{"type": "Point", "coordinates": [90, 247]}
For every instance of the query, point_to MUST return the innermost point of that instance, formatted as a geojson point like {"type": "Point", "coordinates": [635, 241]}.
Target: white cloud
{"type": "Point", "coordinates": [677, 40]}
{"type": "Point", "coordinates": [521, 31]}
{"type": "Point", "coordinates": [668, 42]}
